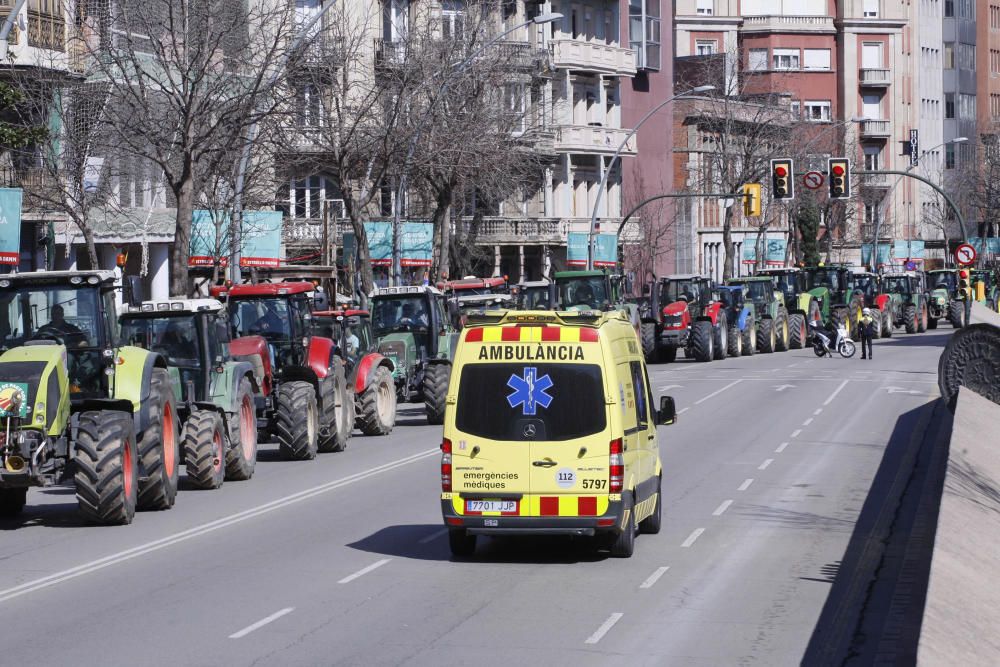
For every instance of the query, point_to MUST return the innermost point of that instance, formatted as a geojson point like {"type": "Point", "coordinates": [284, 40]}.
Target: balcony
{"type": "Point", "coordinates": [389, 53]}
{"type": "Point", "coordinates": [588, 56]}
{"type": "Point", "coordinates": [875, 77]}
{"type": "Point", "coordinates": [517, 231]}
{"type": "Point", "coordinates": [876, 129]}
{"type": "Point", "coordinates": [309, 232]}
{"type": "Point", "coordinates": [593, 139]}
{"type": "Point", "coordinates": [511, 54]}
{"type": "Point", "coordinates": [786, 24]}
{"type": "Point", "coordinates": [34, 181]}
{"type": "Point", "coordinates": [875, 182]}
{"type": "Point", "coordinates": [307, 140]}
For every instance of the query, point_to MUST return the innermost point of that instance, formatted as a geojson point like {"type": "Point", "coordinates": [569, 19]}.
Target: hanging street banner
{"type": "Point", "coordinates": [10, 226]}
{"type": "Point", "coordinates": [261, 239]}
{"type": "Point", "coordinates": [908, 250]}
{"type": "Point", "coordinates": [775, 251]}
{"type": "Point", "coordinates": [884, 253]}
{"type": "Point", "coordinates": [416, 243]}
{"type": "Point", "coordinates": [605, 249]}
{"type": "Point", "coordinates": [985, 246]}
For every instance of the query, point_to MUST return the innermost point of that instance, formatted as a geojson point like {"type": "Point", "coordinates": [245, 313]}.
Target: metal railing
{"type": "Point", "coordinates": [869, 76]}
{"type": "Point", "coordinates": [875, 128]}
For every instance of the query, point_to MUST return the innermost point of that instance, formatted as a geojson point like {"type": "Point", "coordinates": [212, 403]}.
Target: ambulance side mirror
{"type": "Point", "coordinates": [667, 414]}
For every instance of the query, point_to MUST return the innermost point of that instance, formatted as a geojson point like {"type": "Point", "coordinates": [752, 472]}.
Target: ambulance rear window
{"type": "Point", "coordinates": [528, 402]}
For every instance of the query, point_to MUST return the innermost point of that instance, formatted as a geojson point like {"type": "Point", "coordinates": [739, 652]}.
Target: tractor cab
{"type": "Point", "coordinates": [945, 279]}
{"type": "Point", "coordinates": [584, 290]}
{"type": "Point", "coordinates": [694, 290]}
{"type": "Point", "coordinates": [350, 329]}
{"type": "Point", "coordinates": [760, 291]}
{"type": "Point", "coordinates": [834, 279]}
{"type": "Point", "coordinates": [865, 285]}
{"type": "Point", "coordinates": [791, 282]}
{"type": "Point", "coordinates": [903, 284]}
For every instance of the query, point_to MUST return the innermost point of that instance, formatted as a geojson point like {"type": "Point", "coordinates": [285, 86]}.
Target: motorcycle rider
{"type": "Point", "coordinates": [867, 333]}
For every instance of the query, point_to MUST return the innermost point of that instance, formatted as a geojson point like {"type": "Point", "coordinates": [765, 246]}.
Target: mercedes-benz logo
{"type": "Point", "coordinates": [529, 431]}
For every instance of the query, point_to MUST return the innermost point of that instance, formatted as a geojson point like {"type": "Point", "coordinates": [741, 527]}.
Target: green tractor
{"type": "Point", "coordinates": [830, 285]}
{"type": "Point", "coordinates": [909, 304]}
{"type": "Point", "coordinates": [415, 332]}
{"type": "Point", "coordinates": [989, 294]}
{"type": "Point", "coordinates": [772, 317]}
{"type": "Point", "coordinates": [801, 304]}
{"type": "Point", "coordinates": [596, 290]}
{"type": "Point", "coordinates": [943, 302]}
{"type": "Point", "coordinates": [215, 394]}
{"type": "Point", "coordinates": [77, 404]}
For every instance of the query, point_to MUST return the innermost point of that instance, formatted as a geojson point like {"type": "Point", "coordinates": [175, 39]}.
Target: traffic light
{"type": "Point", "coordinates": [782, 175]}
{"type": "Point", "coordinates": [751, 200]}
{"type": "Point", "coordinates": [839, 169]}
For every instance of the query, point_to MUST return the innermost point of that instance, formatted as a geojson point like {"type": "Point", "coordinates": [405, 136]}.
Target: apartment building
{"type": "Point", "coordinates": [987, 65]}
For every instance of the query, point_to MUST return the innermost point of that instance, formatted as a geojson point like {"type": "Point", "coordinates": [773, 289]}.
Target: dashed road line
{"type": "Point", "coordinates": [653, 578]}
{"type": "Point", "coordinates": [722, 508]}
{"type": "Point", "coordinates": [692, 537]}
{"type": "Point", "coordinates": [781, 448]}
{"type": "Point", "coordinates": [433, 536]}
{"type": "Point", "coordinates": [605, 627]}
{"type": "Point", "coordinates": [683, 410]}
{"type": "Point", "coordinates": [817, 412]}
{"type": "Point", "coordinates": [746, 484]}
{"type": "Point", "coordinates": [261, 623]}
{"type": "Point", "coordinates": [363, 571]}
{"type": "Point", "coordinates": [763, 466]}
{"type": "Point", "coordinates": [835, 392]}
{"type": "Point", "coordinates": [807, 422]}
{"type": "Point", "coordinates": [716, 393]}
{"type": "Point", "coordinates": [796, 432]}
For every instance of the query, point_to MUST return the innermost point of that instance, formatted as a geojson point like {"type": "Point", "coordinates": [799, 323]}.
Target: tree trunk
{"type": "Point", "coordinates": [727, 241]}
{"type": "Point", "coordinates": [88, 239]}
{"type": "Point", "coordinates": [363, 251]}
{"type": "Point", "coordinates": [180, 250]}
{"type": "Point", "coordinates": [442, 234]}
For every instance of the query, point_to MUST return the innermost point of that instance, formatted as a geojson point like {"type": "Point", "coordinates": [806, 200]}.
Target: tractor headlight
{"type": "Point", "coordinates": [40, 407]}
{"type": "Point", "coordinates": [40, 418]}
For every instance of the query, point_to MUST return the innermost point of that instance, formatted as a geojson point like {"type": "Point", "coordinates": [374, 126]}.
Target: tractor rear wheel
{"type": "Point", "coordinates": [955, 314]}
{"type": "Point", "coordinates": [204, 449]}
{"type": "Point", "coordinates": [107, 467]}
{"type": "Point", "coordinates": [750, 338]}
{"type": "Point", "coordinates": [159, 447]}
{"type": "Point", "coordinates": [720, 334]}
{"type": "Point", "coordinates": [12, 501]}
{"type": "Point", "coordinates": [765, 336]}
{"type": "Point", "coordinates": [782, 332]}
{"type": "Point", "coordinates": [297, 421]}
{"type": "Point", "coordinates": [241, 457]}
{"type": "Point", "coordinates": [702, 336]}
{"type": "Point", "coordinates": [911, 318]}
{"type": "Point", "coordinates": [797, 328]}
{"type": "Point", "coordinates": [647, 331]}
{"type": "Point", "coordinates": [378, 404]}
{"type": "Point", "coordinates": [337, 410]}
{"type": "Point", "coordinates": [735, 337]}
{"type": "Point", "coordinates": [436, 378]}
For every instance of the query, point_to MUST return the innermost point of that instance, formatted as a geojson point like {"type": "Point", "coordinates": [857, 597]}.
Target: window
{"type": "Point", "coordinates": [966, 56]}
{"type": "Point", "coordinates": [818, 110]}
{"type": "Point", "coordinates": [785, 59]}
{"type": "Point", "coordinates": [966, 107]}
{"type": "Point", "coordinates": [705, 47]}
{"type": "Point", "coordinates": [873, 156]}
{"type": "Point", "coordinates": [307, 196]}
{"type": "Point", "coordinates": [949, 156]}
{"type": "Point", "coordinates": [949, 55]}
{"type": "Point", "coordinates": [949, 106]}
{"type": "Point", "coordinates": [705, 7]}
{"type": "Point", "coordinates": [796, 109]}
{"type": "Point", "coordinates": [515, 94]}
{"type": "Point", "coordinates": [949, 8]}
{"type": "Point", "coordinates": [757, 60]}
{"type": "Point", "coordinates": [871, 9]}
{"type": "Point", "coordinates": [639, 388]}
{"type": "Point", "coordinates": [308, 106]}
{"type": "Point", "coordinates": [453, 20]}
{"type": "Point", "coordinates": [644, 33]}
{"type": "Point", "coordinates": [816, 58]}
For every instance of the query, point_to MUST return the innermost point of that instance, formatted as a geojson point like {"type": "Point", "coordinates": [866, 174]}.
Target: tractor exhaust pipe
{"type": "Point", "coordinates": [14, 463]}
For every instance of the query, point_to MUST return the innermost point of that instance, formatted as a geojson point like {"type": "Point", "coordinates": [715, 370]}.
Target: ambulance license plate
{"type": "Point", "coordinates": [490, 505]}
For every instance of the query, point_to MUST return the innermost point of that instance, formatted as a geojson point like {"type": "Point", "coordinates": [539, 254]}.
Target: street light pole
{"type": "Point", "coordinates": [397, 207]}
{"type": "Point", "coordinates": [611, 165]}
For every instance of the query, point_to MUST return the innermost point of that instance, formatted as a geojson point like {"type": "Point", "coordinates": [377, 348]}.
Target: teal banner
{"type": "Point", "coordinates": [884, 253]}
{"type": "Point", "coordinates": [261, 238]}
{"type": "Point", "coordinates": [605, 249]}
{"type": "Point", "coordinates": [204, 245]}
{"type": "Point", "coordinates": [10, 226]}
{"type": "Point", "coordinates": [982, 245]}
{"type": "Point", "coordinates": [904, 250]}
{"type": "Point", "coordinates": [775, 251]}
{"type": "Point", "coordinates": [416, 243]}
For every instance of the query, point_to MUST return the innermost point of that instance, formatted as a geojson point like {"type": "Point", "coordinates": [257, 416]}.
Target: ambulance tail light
{"type": "Point", "coordinates": [616, 466]}
{"type": "Point", "coordinates": [446, 465]}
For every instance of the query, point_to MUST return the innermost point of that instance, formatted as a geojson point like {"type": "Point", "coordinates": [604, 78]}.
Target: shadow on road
{"type": "Point", "coordinates": [870, 615]}
{"type": "Point", "coordinates": [900, 338]}
{"type": "Point", "coordinates": [411, 414]}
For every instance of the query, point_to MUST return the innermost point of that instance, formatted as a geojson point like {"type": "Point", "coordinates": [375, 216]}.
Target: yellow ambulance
{"type": "Point", "coordinates": [550, 429]}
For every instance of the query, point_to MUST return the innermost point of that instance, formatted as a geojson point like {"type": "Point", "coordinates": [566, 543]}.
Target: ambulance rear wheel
{"type": "Point", "coordinates": [624, 544]}
{"type": "Point", "coordinates": [462, 544]}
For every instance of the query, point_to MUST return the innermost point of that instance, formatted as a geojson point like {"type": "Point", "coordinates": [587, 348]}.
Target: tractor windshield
{"type": "Point", "coordinates": [67, 314]}
{"type": "Point", "coordinates": [400, 313]}
{"type": "Point", "coordinates": [731, 297]}
{"type": "Point", "coordinates": [865, 284]}
{"type": "Point", "coordinates": [896, 285]}
{"type": "Point", "coordinates": [590, 292]}
{"type": "Point", "coordinates": [535, 298]}
{"type": "Point", "coordinates": [676, 289]}
{"type": "Point", "coordinates": [787, 284]}
{"type": "Point", "coordinates": [761, 291]}
{"type": "Point", "coordinates": [946, 280]}
{"type": "Point", "coordinates": [829, 278]}
{"type": "Point", "coordinates": [175, 337]}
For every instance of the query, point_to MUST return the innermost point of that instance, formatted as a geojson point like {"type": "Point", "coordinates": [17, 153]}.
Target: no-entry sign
{"type": "Point", "coordinates": [813, 180]}
{"type": "Point", "coordinates": [965, 254]}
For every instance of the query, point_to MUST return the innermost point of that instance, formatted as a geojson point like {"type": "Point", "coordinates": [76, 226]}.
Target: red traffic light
{"type": "Point", "coordinates": [780, 171]}
{"type": "Point", "coordinates": [838, 170]}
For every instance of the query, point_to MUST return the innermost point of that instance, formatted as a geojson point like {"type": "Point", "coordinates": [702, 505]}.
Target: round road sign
{"type": "Point", "coordinates": [911, 266]}
{"type": "Point", "coordinates": [813, 180]}
{"type": "Point", "coordinates": [965, 254]}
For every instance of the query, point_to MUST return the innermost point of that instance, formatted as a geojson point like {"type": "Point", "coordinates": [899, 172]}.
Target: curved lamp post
{"type": "Point", "coordinates": [397, 209]}
{"type": "Point", "coordinates": [604, 179]}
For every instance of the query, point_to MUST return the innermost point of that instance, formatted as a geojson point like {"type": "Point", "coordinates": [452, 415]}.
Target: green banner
{"type": "Point", "coordinates": [10, 226]}
{"type": "Point", "coordinates": [605, 249]}
{"type": "Point", "coordinates": [416, 243]}
{"type": "Point", "coordinates": [261, 238]}
{"type": "Point", "coordinates": [904, 250]}
{"type": "Point", "coordinates": [883, 254]}
{"type": "Point", "coordinates": [775, 251]}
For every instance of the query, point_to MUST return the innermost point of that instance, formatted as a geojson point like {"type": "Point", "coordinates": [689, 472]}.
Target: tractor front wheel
{"type": "Point", "coordinates": [765, 336]}
{"type": "Point", "coordinates": [797, 329]}
{"type": "Point", "coordinates": [297, 421]}
{"type": "Point", "coordinates": [720, 333]}
{"type": "Point", "coordinates": [887, 324]}
{"type": "Point", "coordinates": [159, 449]}
{"type": "Point", "coordinates": [436, 378]}
{"type": "Point", "coordinates": [955, 314]}
{"type": "Point", "coordinates": [647, 331]}
{"type": "Point", "coordinates": [750, 338]}
{"type": "Point", "coordinates": [204, 449]}
{"type": "Point", "coordinates": [911, 319]}
{"type": "Point", "coordinates": [241, 457]}
{"type": "Point", "coordinates": [337, 410]}
{"type": "Point", "coordinates": [12, 501]}
{"type": "Point", "coordinates": [378, 404]}
{"type": "Point", "coordinates": [782, 332]}
{"type": "Point", "coordinates": [735, 337]}
{"type": "Point", "coordinates": [702, 336]}
{"type": "Point", "coordinates": [107, 467]}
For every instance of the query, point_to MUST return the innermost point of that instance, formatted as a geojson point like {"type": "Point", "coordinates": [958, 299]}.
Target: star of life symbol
{"type": "Point", "coordinates": [529, 391]}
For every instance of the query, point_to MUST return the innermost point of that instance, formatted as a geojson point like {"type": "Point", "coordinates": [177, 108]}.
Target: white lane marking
{"type": "Point", "coordinates": [211, 526]}
{"type": "Point", "coordinates": [671, 386]}
{"type": "Point", "coordinates": [783, 387]}
{"type": "Point", "coordinates": [796, 432]}
{"type": "Point", "coordinates": [433, 536]}
{"type": "Point", "coordinates": [692, 537]}
{"type": "Point", "coordinates": [603, 630]}
{"type": "Point", "coordinates": [835, 392]}
{"type": "Point", "coordinates": [653, 578]}
{"type": "Point", "coordinates": [763, 466]}
{"type": "Point", "coordinates": [746, 484]}
{"type": "Point", "coordinates": [363, 571]}
{"type": "Point", "coordinates": [781, 448]}
{"type": "Point", "coordinates": [683, 410]}
{"type": "Point", "coordinates": [807, 422]}
{"type": "Point", "coordinates": [716, 393]}
{"type": "Point", "coordinates": [817, 412]}
{"type": "Point", "coordinates": [261, 623]}
{"type": "Point", "coordinates": [722, 508]}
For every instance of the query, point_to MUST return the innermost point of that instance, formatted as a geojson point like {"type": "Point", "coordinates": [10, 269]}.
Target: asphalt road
{"type": "Point", "coordinates": [344, 560]}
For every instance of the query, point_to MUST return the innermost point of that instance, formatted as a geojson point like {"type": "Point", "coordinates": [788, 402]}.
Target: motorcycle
{"type": "Point", "coordinates": [843, 345]}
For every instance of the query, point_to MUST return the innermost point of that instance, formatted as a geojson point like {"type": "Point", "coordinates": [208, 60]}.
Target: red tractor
{"type": "Point", "coordinates": [368, 372]}
{"type": "Point", "coordinates": [684, 313]}
{"type": "Point", "coordinates": [305, 402]}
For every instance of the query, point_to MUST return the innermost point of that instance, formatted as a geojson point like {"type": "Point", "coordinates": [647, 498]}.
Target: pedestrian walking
{"type": "Point", "coordinates": [867, 326]}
